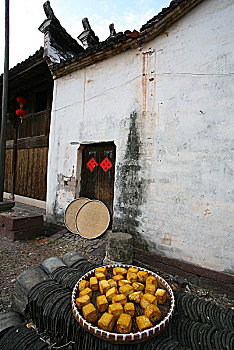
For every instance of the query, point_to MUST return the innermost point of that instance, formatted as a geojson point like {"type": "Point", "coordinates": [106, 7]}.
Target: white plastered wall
{"type": "Point", "coordinates": [180, 85]}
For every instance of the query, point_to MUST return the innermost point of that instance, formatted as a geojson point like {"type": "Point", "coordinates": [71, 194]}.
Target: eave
{"type": "Point", "coordinates": [130, 43]}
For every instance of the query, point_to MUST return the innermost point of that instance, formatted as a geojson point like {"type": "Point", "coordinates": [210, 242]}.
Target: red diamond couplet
{"type": "Point", "coordinates": [91, 164]}
{"type": "Point", "coordinates": [106, 164]}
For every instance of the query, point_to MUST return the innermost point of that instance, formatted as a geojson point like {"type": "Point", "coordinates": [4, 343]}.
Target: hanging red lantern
{"type": "Point", "coordinates": [21, 100]}
{"type": "Point", "coordinates": [21, 112]}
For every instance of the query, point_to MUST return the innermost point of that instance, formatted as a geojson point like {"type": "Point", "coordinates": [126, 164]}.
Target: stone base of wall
{"type": "Point", "coordinates": [17, 228]}
{"type": "Point", "coordinates": [199, 276]}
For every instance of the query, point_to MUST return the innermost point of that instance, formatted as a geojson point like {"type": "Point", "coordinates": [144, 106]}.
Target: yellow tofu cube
{"type": "Point", "coordinates": [150, 289]}
{"type": "Point", "coordinates": [104, 286]}
{"type": "Point", "coordinates": [93, 283]}
{"type": "Point", "coordinates": [111, 293]}
{"type": "Point", "coordinates": [100, 276]}
{"type": "Point", "coordinates": [117, 278]}
{"type": "Point", "coordinates": [133, 269]}
{"type": "Point", "coordinates": [142, 275]}
{"type": "Point", "coordinates": [86, 291]}
{"type": "Point", "coordinates": [119, 298]}
{"type": "Point", "coordinates": [161, 296]}
{"type": "Point", "coordinates": [116, 310]}
{"type": "Point", "coordinates": [138, 286]}
{"type": "Point", "coordinates": [83, 284]}
{"type": "Point", "coordinates": [102, 303]}
{"type": "Point", "coordinates": [119, 271]}
{"type": "Point", "coordinates": [122, 282]}
{"type": "Point", "coordinates": [90, 313]}
{"type": "Point", "coordinates": [124, 323]}
{"type": "Point", "coordinates": [151, 280]}
{"type": "Point", "coordinates": [106, 322]}
{"type": "Point", "coordinates": [153, 313]}
{"type": "Point", "coordinates": [148, 299]}
{"type": "Point", "coordinates": [112, 283]}
{"type": "Point", "coordinates": [102, 270]}
{"type": "Point", "coordinates": [143, 322]}
{"type": "Point", "coordinates": [126, 289]}
{"type": "Point", "coordinates": [82, 301]}
{"type": "Point", "coordinates": [132, 277]}
{"type": "Point", "coordinates": [129, 309]}
{"type": "Point", "coordinates": [136, 297]}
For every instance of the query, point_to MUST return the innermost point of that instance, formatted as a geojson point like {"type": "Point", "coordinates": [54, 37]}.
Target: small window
{"type": "Point", "coordinates": [41, 101]}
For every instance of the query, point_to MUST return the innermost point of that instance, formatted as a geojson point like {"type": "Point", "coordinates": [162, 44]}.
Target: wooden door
{"type": "Point", "coordinates": [98, 172]}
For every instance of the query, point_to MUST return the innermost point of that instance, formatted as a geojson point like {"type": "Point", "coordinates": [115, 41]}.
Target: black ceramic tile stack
{"type": "Point", "coordinates": [21, 337]}
{"type": "Point", "coordinates": [200, 324]}
{"type": "Point", "coordinates": [78, 263]}
{"type": "Point", "coordinates": [39, 299]}
{"type": "Point", "coordinates": [86, 266]}
{"type": "Point", "coordinates": [162, 341]}
{"type": "Point", "coordinates": [204, 311]}
{"type": "Point", "coordinates": [68, 277]}
{"type": "Point", "coordinates": [10, 319]}
{"type": "Point", "coordinates": [49, 303]}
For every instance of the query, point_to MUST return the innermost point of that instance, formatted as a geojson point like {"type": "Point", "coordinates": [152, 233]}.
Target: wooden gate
{"type": "Point", "coordinates": [98, 172]}
{"type": "Point", "coordinates": [32, 80]}
{"type": "Point", "coordinates": [31, 168]}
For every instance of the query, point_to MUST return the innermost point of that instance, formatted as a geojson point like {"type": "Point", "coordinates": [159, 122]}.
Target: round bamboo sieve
{"type": "Point", "coordinates": [92, 219]}
{"type": "Point", "coordinates": [135, 336]}
{"type": "Point", "coordinates": [71, 211]}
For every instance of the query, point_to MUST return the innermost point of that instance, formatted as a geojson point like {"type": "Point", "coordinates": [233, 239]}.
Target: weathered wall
{"type": "Point", "coordinates": [168, 107]}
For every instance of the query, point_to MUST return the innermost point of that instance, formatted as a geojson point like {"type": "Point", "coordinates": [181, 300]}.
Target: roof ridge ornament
{"type": "Point", "coordinates": [88, 37]}
{"type": "Point", "coordinates": [59, 46]}
{"type": "Point", "coordinates": [86, 24]}
{"type": "Point", "coordinates": [112, 29]}
{"type": "Point", "coordinates": [48, 10]}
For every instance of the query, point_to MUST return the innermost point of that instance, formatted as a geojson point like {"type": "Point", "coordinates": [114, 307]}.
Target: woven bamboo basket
{"type": "Point", "coordinates": [134, 337]}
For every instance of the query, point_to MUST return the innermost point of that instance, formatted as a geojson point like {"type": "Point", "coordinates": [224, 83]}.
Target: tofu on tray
{"type": "Point", "coordinates": [117, 296]}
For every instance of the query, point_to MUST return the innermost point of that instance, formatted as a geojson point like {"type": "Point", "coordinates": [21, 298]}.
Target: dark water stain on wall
{"type": "Point", "coordinates": [56, 218]}
{"type": "Point", "coordinates": [130, 183]}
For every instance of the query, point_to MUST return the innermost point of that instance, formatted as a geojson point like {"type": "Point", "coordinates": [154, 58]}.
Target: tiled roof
{"type": "Point", "coordinates": [28, 62]}
{"type": "Point", "coordinates": [117, 43]}
{"type": "Point", "coordinates": [101, 46]}
{"type": "Point", "coordinates": [165, 11]}
{"type": "Point", "coordinates": [124, 41]}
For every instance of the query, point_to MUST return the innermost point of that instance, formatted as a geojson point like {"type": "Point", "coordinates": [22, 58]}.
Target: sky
{"type": "Point", "coordinates": [27, 15]}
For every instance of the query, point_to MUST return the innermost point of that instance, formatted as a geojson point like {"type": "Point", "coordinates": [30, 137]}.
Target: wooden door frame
{"type": "Point", "coordinates": [80, 162]}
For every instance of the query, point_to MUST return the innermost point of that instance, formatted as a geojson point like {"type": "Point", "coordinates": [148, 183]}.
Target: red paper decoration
{"type": "Point", "coordinates": [91, 164]}
{"type": "Point", "coordinates": [106, 164]}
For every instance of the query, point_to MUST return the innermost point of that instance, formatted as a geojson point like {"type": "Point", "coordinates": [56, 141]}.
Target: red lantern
{"type": "Point", "coordinates": [21, 100]}
{"type": "Point", "coordinates": [21, 113]}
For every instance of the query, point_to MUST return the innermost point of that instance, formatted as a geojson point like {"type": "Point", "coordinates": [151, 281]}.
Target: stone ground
{"type": "Point", "coordinates": [19, 255]}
